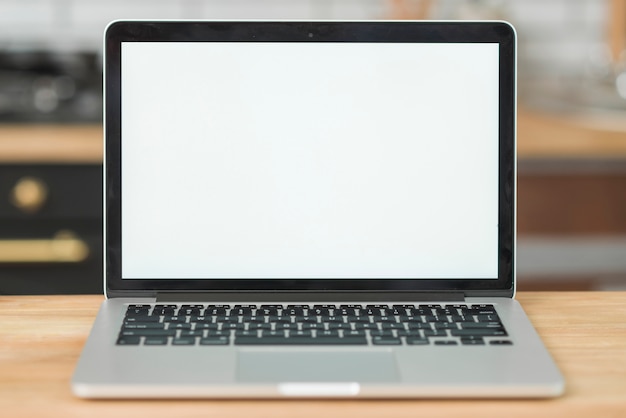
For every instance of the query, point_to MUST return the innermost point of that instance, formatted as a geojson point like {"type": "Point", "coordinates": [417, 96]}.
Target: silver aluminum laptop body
{"type": "Point", "coordinates": [304, 172]}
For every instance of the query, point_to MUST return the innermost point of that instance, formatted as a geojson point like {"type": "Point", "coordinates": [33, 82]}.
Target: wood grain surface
{"type": "Point", "coordinates": [42, 337]}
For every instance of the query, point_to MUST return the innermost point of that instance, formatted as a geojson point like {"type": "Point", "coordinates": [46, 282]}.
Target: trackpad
{"type": "Point", "coordinates": [314, 366]}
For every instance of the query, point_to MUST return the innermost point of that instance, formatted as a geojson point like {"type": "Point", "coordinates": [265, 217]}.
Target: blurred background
{"type": "Point", "coordinates": [571, 130]}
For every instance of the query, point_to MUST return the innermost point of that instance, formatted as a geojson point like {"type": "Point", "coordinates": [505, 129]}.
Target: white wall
{"type": "Point", "coordinates": [78, 24]}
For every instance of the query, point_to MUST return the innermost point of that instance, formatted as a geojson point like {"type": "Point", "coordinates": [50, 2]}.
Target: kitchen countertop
{"type": "Point", "coordinates": [50, 143]}
{"type": "Point", "coordinates": [540, 136]}
{"type": "Point", "coordinates": [571, 136]}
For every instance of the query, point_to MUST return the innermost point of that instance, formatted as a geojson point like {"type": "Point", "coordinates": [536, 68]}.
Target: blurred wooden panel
{"type": "Point", "coordinates": [50, 143]}
{"type": "Point", "coordinates": [573, 135]}
{"type": "Point", "coordinates": [572, 204]}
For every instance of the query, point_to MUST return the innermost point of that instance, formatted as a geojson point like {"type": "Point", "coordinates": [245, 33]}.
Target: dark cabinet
{"type": "Point", "coordinates": [50, 228]}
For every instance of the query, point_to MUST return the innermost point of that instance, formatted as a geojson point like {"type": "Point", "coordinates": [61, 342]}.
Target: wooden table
{"type": "Point", "coordinates": [43, 336]}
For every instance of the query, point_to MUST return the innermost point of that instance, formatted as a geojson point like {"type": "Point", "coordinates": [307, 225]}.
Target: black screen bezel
{"type": "Point", "coordinates": [380, 32]}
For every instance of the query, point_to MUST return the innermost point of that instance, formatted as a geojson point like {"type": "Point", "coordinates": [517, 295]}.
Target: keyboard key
{"type": "Point", "coordinates": [259, 325]}
{"type": "Point", "coordinates": [472, 341]}
{"type": "Point", "coordinates": [386, 318]}
{"type": "Point", "coordinates": [328, 333]}
{"type": "Point", "coordinates": [227, 319]}
{"type": "Point", "coordinates": [189, 311]}
{"type": "Point", "coordinates": [383, 333]}
{"type": "Point", "coordinates": [500, 342]}
{"type": "Point", "coordinates": [417, 341]}
{"type": "Point", "coordinates": [333, 319]}
{"type": "Point", "coordinates": [339, 325]}
{"type": "Point", "coordinates": [219, 333]}
{"type": "Point", "coordinates": [354, 333]}
{"type": "Point", "coordinates": [483, 309]}
{"type": "Point", "coordinates": [232, 325]}
{"type": "Point", "coordinates": [403, 306]}
{"type": "Point", "coordinates": [141, 318]}
{"type": "Point", "coordinates": [126, 340]}
{"type": "Point", "coordinates": [272, 333]}
{"type": "Point", "coordinates": [306, 333]}
{"type": "Point", "coordinates": [372, 312]}
{"type": "Point", "coordinates": [443, 312]}
{"type": "Point", "coordinates": [143, 325]}
{"type": "Point", "coordinates": [483, 332]}
{"type": "Point", "coordinates": [184, 341]}
{"type": "Point", "coordinates": [204, 325]}
{"type": "Point", "coordinates": [152, 340]}
{"type": "Point", "coordinates": [200, 318]}
{"type": "Point", "coordinates": [286, 325]}
{"type": "Point", "coordinates": [215, 311]}
{"type": "Point", "coordinates": [179, 326]}
{"type": "Point", "coordinates": [253, 319]}
{"type": "Point", "coordinates": [223, 340]}
{"type": "Point", "coordinates": [444, 325]}
{"type": "Point", "coordinates": [319, 312]}
{"type": "Point", "coordinates": [488, 318]}
{"type": "Point", "coordinates": [175, 318]}
{"type": "Point", "coordinates": [366, 325]}
{"type": "Point", "coordinates": [357, 319]}
{"type": "Point", "coordinates": [164, 311]}
{"type": "Point", "coordinates": [418, 325]}
{"type": "Point", "coordinates": [430, 306]}
{"type": "Point", "coordinates": [446, 342]}
{"type": "Point", "coordinates": [243, 333]}
{"type": "Point", "coordinates": [316, 326]}
{"type": "Point", "coordinates": [267, 311]}
{"type": "Point", "coordinates": [192, 333]}
{"type": "Point", "coordinates": [472, 337]}
{"type": "Point", "coordinates": [281, 319]}
{"type": "Point", "coordinates": [346, 311]}
{"type": "Point", "coordinates": [148, 332]}
{"type": "Point", "coordinates": [136, 312]}
{"type": "Point", "coordinates": [241, 311]}
{"type": "Point", "coordinates": [417, 312]}
{"type": "Point", "coordinates": [386, 340]}
{"type": "Point", "coordinates": [456, 306]}
{"type": "Point", "coordinates": [293, 312]}
{"type": "Point", "coordinates": [435, 333]}
{"type": "Point", "coordinates": [408, 333]}
{"type": "Point", "coordinates": [470, 325]}
{"type": "Point", "coordinates": [392, 325]}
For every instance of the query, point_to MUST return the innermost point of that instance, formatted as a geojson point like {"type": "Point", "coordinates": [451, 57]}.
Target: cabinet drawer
{"type": "Point", "coordinates": [50, 228]}
{"type": "Point", "coordinates": [50, 191]}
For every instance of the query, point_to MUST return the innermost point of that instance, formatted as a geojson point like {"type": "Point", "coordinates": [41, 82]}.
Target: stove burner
{"type": "Point", "coordinates": [50, 87]}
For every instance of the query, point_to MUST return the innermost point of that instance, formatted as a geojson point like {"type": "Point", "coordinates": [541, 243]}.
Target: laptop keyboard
{"type": "Point", "coordinates": [211, 325]}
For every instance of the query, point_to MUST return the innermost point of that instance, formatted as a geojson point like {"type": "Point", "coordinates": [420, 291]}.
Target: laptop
{"type": "Point", "coordinates": [311, 209]}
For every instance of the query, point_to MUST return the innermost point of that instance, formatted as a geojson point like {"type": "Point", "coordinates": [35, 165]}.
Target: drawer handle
{"type": "Point", "coordinates": [64, 247]}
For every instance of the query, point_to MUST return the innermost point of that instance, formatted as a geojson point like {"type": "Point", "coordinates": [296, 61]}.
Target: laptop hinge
{"type": "Point", "coordinates": [310, 297]}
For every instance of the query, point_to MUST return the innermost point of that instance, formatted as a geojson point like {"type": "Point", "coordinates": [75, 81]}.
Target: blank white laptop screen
{"type": "Point", "coordinates": [309, 160]}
